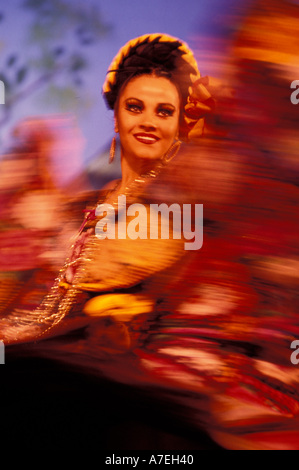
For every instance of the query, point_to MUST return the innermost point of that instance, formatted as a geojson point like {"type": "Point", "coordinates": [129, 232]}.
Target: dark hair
{"type": "Point", "coordinates": [152, 57]}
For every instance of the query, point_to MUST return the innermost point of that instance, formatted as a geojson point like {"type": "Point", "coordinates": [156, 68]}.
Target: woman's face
{"type": "Point", "coordinates": [147, 117]}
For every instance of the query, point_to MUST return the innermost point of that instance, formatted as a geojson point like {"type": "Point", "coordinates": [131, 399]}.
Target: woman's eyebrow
{"type": "Point", "coordinates": [159, 104]}
{"type": "Point", "coordinates": [169, 105]}
{"type": "Point", "coordinates": [139, 101]}
{"type": "Point", "coordinates": [134, 99]}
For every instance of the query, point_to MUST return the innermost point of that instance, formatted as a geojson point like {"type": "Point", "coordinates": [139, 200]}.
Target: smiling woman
{"type": "Point", "coordinates": [147, 119]}
{"type": "Point", "coordinates": [111, 289]}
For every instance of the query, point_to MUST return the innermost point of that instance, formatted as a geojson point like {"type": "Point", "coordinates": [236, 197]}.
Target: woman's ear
{"type": "Point", "coordinates": [115, 125]}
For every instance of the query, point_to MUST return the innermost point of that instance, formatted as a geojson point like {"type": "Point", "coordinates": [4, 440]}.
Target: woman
{"type": "Point", "coordinates": [109, 289]}
{"type": "Point", "coordinates": [178, 324]}
{"type": "Point", "coordinates": [147, 87]}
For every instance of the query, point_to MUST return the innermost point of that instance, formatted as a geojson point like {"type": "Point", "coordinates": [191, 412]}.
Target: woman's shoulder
{"type": "Point", "coordinates": [110, 185]}
{"type": "Point", "coordinates": [176, 181]}
{"type": "Point", "coordinates": [93, 195]}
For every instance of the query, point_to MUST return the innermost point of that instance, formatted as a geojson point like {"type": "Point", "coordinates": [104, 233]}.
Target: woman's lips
{"type": "Point", "coordinates": [146, 138]}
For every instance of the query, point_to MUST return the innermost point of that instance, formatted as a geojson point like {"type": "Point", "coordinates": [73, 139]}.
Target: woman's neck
{"type": "Point", "coordinates": [130, 173]}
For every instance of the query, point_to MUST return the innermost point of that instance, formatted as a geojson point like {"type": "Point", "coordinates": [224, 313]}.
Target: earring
{"type": "Point", "coordinates": [172, 151]}
{"type": "Point", "coordinates": [112, 150]}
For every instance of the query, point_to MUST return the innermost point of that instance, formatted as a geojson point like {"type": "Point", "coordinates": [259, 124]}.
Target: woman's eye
{"type": "Point", "coordinates": [134, 108]}
{"type": "Point", "coordinates": [165, 112]}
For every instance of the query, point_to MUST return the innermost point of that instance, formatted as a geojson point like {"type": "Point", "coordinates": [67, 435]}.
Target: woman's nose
{"type": "Point", "coordinates": [148, 122]}
{"type": "Point", "coordinates": [147, 126]}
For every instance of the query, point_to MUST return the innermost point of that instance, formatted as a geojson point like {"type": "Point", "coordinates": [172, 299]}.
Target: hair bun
{"type": "Point", "coordinates": [145, 54]}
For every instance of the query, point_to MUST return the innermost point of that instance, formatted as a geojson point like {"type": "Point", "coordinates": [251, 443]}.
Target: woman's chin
{"type": "Point", "coordinates": [144, 159]}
